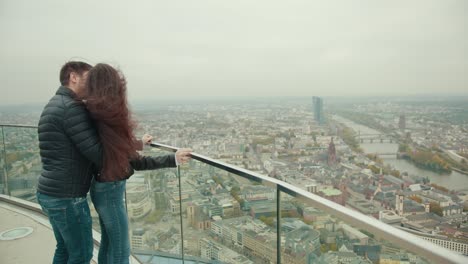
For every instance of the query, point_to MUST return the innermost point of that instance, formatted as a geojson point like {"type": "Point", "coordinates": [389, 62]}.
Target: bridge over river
{"type": "Point", "coordinates": [375, 138]}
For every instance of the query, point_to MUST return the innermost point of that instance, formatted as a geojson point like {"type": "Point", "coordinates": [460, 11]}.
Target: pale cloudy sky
{"type": "Point", "coordinates": [195, 49]}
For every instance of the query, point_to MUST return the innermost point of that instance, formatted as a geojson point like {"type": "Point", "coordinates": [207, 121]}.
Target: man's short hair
{"type": "Point", "coordinates": [72, 66]}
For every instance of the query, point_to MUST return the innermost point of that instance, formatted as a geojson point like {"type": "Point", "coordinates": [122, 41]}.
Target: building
{"type": "Point", "coordinates": [138, 197]}
{"type": "Point", "coordinates": [371, 252]}
{"type": "Point", "coordinates": [399, 204]}
{"type": "Point", "coordinates": [197, 218]}
{"type": "Point", "coordinates": [231, 209]}
{"type": "Point", "coordinates": [312, 188]}
{"type": "Point", "coordinates": [452, 210]}
{"type": "Point", "coordinates": [137, 239]}
{"type": "Point", "coordinates": [433, 197]}
{"type": "Point", "coordinates": [331, 153]}
{"type": "Point", "coordinates": [389, 217]}
{"type": "Point", "coordinates": [453, 245]}
{"type": "Point", "coordinates": [257, 192]}
{"type": "Point", "coordinates": [402, 122]}
{"type": "Point", "coordinates": [209, 249]}
{"type": "Point", "coordinates": [262, 245]}
{"type": "Point", "coordinates": [394, 259]}
{"type": "Point", "coordinates": [353, 233]}
{"type": "Point", "coordinates": [332, 194]}
{"type": "Point", "coordinates": [253, 237]}
{"type": "Point", "coordinates": [174, 202]}
{"type": "Point", "coordinates": [160, 200]}
{"type": "Point", "coordinates": [336, 257]}
{"type": "Point", "coordinates": [318, 109]}
{"type": "Point", "coordinates": [214, 251]}
{"type": "Point", "coordinates": [300, 243]}
{"type": "Point", "coordinates": [312, 214]}
{"type": "Point", "coordinates": [425, 223]}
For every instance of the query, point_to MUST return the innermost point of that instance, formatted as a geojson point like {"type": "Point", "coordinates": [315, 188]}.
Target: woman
{"type": "Point", "coordinates": [106, 101]}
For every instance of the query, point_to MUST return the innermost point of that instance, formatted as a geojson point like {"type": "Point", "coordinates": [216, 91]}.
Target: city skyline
{"type": "Point", "coordinates": [142, 104]}
{"type": "Point", "coordinates": [362, 157]}
{"type": "Point", "coordinates": [203, 49]}
{"type": "Point", "coordinates": [227, 217]}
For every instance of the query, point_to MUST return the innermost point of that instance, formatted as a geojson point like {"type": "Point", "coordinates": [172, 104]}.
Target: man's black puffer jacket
{"type": "Point", "coordinates": [69, 146]}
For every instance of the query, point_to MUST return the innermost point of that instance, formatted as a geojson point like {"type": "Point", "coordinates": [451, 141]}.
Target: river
{"type": "Point", "coordinates": [452, 181]}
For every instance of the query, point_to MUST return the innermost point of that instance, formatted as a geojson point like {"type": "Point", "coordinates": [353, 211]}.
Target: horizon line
{"type": "Point", "coordinates": [249, 98]}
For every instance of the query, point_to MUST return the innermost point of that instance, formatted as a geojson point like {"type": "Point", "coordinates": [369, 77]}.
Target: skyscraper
{"type": "Point", "coordinates": [331, 153]}
{"type": "Point", "coordinates": [402, 122]}
{"type": "Point", "coordinates": [318, 109]}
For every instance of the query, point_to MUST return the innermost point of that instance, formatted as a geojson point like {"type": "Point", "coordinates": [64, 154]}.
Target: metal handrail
{"type": "Point", "coordinates": [402, 239]}
{"type": "Point", "coordinates": [20, 126]}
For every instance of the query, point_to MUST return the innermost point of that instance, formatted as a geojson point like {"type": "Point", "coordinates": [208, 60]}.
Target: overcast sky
{"type": "Point", "coordinates": [184, 49]}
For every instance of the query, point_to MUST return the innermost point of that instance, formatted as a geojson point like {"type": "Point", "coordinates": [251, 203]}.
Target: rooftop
{"type": "Point", "coordinates": [41, 239]}
{"type": "Point", "coordinates": [331, 191]}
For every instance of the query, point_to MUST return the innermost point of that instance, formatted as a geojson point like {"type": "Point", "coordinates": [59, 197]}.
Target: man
{"type": "Point", "coordinates": [70, 148]}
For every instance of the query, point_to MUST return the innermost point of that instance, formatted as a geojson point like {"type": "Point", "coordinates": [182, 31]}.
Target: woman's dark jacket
{"type": "Point", "coordinates": [141, 163]}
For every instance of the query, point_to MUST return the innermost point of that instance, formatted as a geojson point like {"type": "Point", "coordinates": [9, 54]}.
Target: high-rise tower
{"type": "Point", "coordinates": [402, 122]}
{"type": "Point", "coordinates": [331, 153]}
{"type": "Point", "coordinates": [318, 109]}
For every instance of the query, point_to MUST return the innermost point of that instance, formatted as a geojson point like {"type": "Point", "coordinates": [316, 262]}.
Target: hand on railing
{"type": "Point", "coordinates": [183, 155]}
{"type": "Point", "coordinates": [147, 139]}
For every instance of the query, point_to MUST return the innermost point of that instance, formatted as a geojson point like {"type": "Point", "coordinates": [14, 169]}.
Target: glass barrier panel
{"type": "Point", "coordinates": [153, 211]}
{"type": "Point", "coordinates": [311, 235]}
{"type": "Point", "coordinates": [3, 175]}
{"type": "Point", "coordinates": [227, 218]}
{"type": "Point", "coordinates": [22, 163]}
{"type": "Point", "coordinates": [300, 241]}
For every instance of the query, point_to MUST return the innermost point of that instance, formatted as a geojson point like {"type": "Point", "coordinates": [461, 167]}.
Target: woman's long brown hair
{"type": "Point", "coordinates": [106, 100]}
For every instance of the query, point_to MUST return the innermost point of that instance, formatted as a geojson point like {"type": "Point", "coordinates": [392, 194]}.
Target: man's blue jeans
{"type": "Point", "coordinates": [108, 199]}
{"type": "Point", "coordinates": [71, 221]}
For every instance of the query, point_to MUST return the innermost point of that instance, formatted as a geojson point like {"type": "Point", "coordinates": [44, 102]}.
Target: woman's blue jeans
{"type": "Point", "coordinates": [108, 199]}
{"type": "Point", "coordinates": [71, 221]}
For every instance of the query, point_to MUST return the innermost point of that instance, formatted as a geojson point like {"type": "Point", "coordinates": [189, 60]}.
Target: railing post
{"type": "Point", "coordinates": [278, 225]}
{"type": "Point", "coordinates": [5, 172]}
{"type": "Point", "coordinates": [180, 213]}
